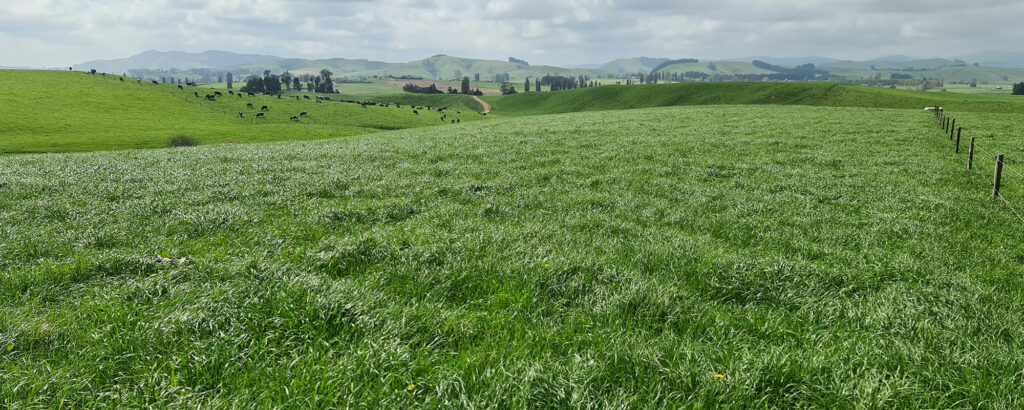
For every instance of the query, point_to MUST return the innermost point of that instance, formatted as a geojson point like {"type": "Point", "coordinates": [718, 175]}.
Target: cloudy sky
{"type": "Point", "coordinates": [559, 32]}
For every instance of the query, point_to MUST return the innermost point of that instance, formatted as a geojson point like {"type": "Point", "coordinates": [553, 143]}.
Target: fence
{"type": "Point", "coordinates": [949, 125]}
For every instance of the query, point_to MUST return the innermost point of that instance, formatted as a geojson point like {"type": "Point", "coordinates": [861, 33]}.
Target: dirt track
{"type": "Point", "coordinates": [487, 107]}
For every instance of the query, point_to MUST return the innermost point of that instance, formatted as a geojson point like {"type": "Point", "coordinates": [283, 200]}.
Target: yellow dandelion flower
{"type": "Point", "coordinates": [545, 265]}
{"type": "Point", "coordinates": [411, 387]}
{"type": "Point", "coordinates": [719, 376]}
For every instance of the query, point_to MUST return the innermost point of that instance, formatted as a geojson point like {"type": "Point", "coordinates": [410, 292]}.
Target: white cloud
{"type": "Point", "coordinates": [63, 32]}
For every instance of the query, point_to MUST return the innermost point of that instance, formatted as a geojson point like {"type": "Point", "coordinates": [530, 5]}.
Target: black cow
{"type": "Point", "coordinates": [260, 115]}
{"type": "Point", "coordinates": [241, 115]}
{"type": "Point", "coordinates": [92, 71]}
{"type": "Point", "coordinates": [415, 112]}
{"type": "Point", "coordinates": [305, 97]}
{"type": "Point", "coordinates": [121, 78]}
{"type": "Point", "coordinates": [181, 88]}
{"type": "Point", "coordinates": [264, 108]}
{"type": "Point", "coordinates": [155, 83]}
{"type": "Point", "coordinates": [231, 92]}
{"type": "Point", "coordinates": [303, 114]}
{"type": "Point", "coordinates": [294, 118]}
{"type": "Point", "coordinates": [211, 97]}
{"type": "Point", "coordinates": [249, 105]}
{"type": "Point", "coordinates": [196, 93]}
{"type": "Point", "coordinates": [252, 95]}
{"type": "Point", "coordinates": [217, 93]}
{"type": "Point", "coordinates": [458, 121]}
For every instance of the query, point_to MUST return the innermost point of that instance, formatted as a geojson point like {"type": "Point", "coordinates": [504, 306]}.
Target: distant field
{"type": "Point", "coordinates": [744, 256]}
{"type": "Point", "coordinates": [81, 112]}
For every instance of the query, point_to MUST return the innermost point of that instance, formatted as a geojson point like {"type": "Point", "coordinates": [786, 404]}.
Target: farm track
{"type": "Point", "coordinates": [487, 107]}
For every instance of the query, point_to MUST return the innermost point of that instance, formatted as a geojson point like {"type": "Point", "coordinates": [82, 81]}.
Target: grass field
{"type": "Point", "coordinates": [47, 111]}
{"type": "Point", "coordinates": [735, 256]}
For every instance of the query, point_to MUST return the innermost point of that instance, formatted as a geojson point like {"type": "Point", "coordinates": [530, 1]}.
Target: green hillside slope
{"type": "Point", "coordinates": [47, 111]}
{"type": "Point", "coordinates": [799, 93]}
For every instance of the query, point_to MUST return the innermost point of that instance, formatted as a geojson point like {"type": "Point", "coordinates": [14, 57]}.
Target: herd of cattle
{"type": "Point", "coordinates": [319, 100]}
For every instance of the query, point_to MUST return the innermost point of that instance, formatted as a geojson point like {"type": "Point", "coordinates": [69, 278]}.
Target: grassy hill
{"type": "Point", "coordinates": [633, 65]}
{"type": "Point", "coordinates": [48, 111]}
{"type": "Point", "coordinates": [728, 256]}
{"type": "Point", "coordinates": [789, 93]}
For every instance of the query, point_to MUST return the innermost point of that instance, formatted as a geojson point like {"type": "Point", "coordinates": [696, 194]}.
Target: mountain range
{"type": "Point", "coordinates": [992, 66]}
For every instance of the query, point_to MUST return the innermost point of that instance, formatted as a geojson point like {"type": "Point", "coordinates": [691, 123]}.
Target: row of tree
{"type": "Point", "coordinates": [274, 84]}
{"type": "Point", "coordinates": [1018, 88]}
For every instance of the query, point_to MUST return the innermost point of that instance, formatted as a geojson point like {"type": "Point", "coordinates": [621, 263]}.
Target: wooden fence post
{"type": "Point", "coordinates": [951, 127]}
{"type": "Point", "coordinates": [970, 156]}
{"type": "Point", "coordinates": [998, 176]}
{"type": "Point", "coordinates": [958, 139]}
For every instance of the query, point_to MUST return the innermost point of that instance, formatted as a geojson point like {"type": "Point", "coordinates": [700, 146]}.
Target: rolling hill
{"type": "Point", "coordinates": [163, 60]}
{"type": "Point", "coordinates": [81, 112]}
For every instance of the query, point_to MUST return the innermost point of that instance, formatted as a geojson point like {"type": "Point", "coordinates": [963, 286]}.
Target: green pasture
{"type": "Point", "coordinates": [738, 256]}
{"type": "Point", "coordinates": [59, 112]}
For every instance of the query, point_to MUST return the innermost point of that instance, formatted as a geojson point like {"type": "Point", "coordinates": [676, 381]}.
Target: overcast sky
{"type": "Point", "coordinates": [560, 32]}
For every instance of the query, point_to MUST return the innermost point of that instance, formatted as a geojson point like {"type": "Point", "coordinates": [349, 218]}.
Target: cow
{"type": "Point", "coordinates": [415, 112]}
{"type": "Point", "coordinates": [279, 96]}
{"type": "Point", "coordinates": [305, 97]}
{"type": "Point", "coordinates": [196, 93]}
{"type": "Point", "coordinates": [239, 95]}
{"type": "Point", "coordinates": [260, 115]}
{"type": "Point", "coordinates": [252, 95]}
{"type": "Point", "coordinates": [217, 93]}
{"type": "Point", "coordinates": [458, 121]}
{"type": "Point", "coordinates": [181, 88]}
{"type": "Point", "coordinates": [231, 92]}
{"type": "Point", "coordinates": [303, 114]}
{"type": "Point", "coordinates": [294, 118]}
{"type": "Point", "coordinates": [249, 105]}
{"type": "Point", "coordinates": [453, 121]}
{"type": "Point", "coordinates": [92, 71]}
{"type": "Point", "coordinates": [264, 108]}
{"type": "Point", "coordinates": [211, 97]}
{"type": "Point", "coordinates": [319, 102]}
{"type": "Point", "coordinates": [241, 115]}
{"type": "Point", "coordinates": [121, 78]}
{"type": "Point", "coordinates": [155, 83]}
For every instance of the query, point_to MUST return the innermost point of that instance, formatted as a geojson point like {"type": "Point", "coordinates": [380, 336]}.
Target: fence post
{"type": "Point", "coordinates": [970, 156]}
{"type": "Point", "coordinates": [998, 176]}
{"type": "Point", "coordinates": [958, 139]}
{"type": "Point", "coordinates": [951, 127]}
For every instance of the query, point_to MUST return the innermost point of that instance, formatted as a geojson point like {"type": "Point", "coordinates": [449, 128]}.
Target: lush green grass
{"type": "Point", "coordinates": [812, 256]}
{"type": "Point", "coordinates": [799, 93]}
{"type": "Point", "coordinates": [46, 111]}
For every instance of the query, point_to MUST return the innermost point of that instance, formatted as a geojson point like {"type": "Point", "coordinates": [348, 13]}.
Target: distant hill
{"type": "Point", "coordinates": [789, 61]}
{"type": "Point", "coordinates": [633, 65]}
{"type": "Point", "coordinates": [164, 60]}
{"type": "Point", "coordinates": [439, 67]}
{"type": "Point", "coordinates": [996, 59]}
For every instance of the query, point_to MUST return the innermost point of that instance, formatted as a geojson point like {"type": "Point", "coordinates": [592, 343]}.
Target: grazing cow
{"type": "Point", "coordinates": [92, 71]}
{"type": "Point", "coordinates": [241, 115]}
{"type": "Point", "coordinates": [239, 95]}
{"type": "Point", "coordinates": [264, 108]}
{"type": "Point", "coordinates": [453, 121]}
{"type": "Point", "coordinates": [217, 93]}
{"type": "Point", "coordinates": [196, 93]}
{"type": "Point", "coordinates": [303, 114]}
{"type": "Point", "coordinates": [252, 95]}
{"type": "Point", "coordinates": [155, 83]}
{"type": "Point", "coordinates": [294, 118]}
{"type": "Point", "coordinates": [211, 97]}
{"type": "Point", "coordinates": [121, 78]}
{"type": "Point", "coordinates": [260, 115]}
{"type": "Point", "coordinates": [297, 98]}
{"type": "Point", "coordinates": [181, 88]}
{"type": "Point", "coordinates": [231, 92]}
{"type": "Point", "coordinates": [249, 105]}
{"type": "Point", "coordinates": [415, 112]}
{"type": "Point", "coordinates": [458, 121]}
{"type": "Point", "coordinates": [305, 97]}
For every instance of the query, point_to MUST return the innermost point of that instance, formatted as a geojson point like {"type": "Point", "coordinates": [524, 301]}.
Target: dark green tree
{"type": "Point", "coordinates": [526, 88]}
{"type": "Point", "coordinates": [231, 79]}
{"type": "Point", "coordinates": [1018, 89]}
{"type": "Point", "coordinates": [465, 85]}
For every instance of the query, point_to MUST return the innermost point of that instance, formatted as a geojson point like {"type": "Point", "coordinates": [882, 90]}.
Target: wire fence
{"type": "Point", "coordinates": [949, 126]}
